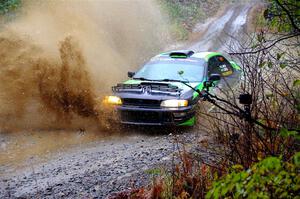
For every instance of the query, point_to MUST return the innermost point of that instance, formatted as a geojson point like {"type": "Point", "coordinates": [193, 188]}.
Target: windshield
{"type": "Point", "coordinates": [181, 71]}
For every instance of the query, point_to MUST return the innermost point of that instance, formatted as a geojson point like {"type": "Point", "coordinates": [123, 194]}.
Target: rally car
{"type": "Point", "coordinates": [166, 90]}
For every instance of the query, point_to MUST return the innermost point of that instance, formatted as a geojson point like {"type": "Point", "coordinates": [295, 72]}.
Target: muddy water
{"type": "Point", "coordinates": [58, 59]}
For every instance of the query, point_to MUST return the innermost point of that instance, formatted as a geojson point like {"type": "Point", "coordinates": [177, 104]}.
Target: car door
{"type": "Point", "coordinates": [218, 64]}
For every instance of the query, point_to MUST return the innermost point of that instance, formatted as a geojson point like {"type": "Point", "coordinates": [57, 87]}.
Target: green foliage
{"type": "Point", "coordinates": [286, 133]}
{"type": "Point", "coordinates": [8, 5]}
{"type": "Point", "coordinates": [178, 31]}
{"type": "Point", "coordinates": [269, 178]}
{"type": "Point", "coordinates": [183, 16]}
{"type": "Point", "coordinates": [283, 14]}
{"type": "Point", "coordinates": [296, 82]}
{"type": "Point", "coordinates": [155, 171]}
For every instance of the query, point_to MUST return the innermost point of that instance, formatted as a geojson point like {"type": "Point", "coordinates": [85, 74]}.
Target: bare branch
{"type": "Point", "coordinates": [266, 48]}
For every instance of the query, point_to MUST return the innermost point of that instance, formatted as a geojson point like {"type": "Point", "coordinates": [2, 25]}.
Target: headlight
{"type": "Point", "coordinates": [114, 100]}
{"type": "Point", "coordinates": [174, 103]}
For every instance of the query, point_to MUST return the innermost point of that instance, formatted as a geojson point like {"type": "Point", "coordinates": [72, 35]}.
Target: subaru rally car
{"type": "Point", "coordinates": [165, 91]}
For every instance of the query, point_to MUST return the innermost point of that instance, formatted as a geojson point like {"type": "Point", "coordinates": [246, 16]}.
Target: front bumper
{"type": "Point", "coordinates": [156, 116]}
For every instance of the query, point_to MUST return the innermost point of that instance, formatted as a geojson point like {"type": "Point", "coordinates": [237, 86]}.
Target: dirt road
{"type": "Point", "coordinates": [97, 169]}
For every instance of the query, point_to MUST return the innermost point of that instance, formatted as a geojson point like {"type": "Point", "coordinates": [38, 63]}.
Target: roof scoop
{"type": "Point", "coordinates": [181, 54]}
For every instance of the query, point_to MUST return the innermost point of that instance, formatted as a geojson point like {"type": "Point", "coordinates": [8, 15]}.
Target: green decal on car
{"type": "Point", "coordinates": [235, 66]}
{"type": "Point", "coordinates": [178, 56]}
{"type": "Point", "coordinates": [189, 122]}
{"type": "Point", "coordinates": [212, 54]}
{"type": "Point", "coordinates": [199, 87]}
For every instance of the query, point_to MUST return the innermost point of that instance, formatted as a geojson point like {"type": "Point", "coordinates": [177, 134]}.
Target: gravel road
{"type": "Point", "coordinates": [97, 169]}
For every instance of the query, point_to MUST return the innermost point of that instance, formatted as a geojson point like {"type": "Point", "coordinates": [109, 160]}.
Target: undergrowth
{"type": "Point", "coordinates": [183, 15]}
{"type": "Point", "coordinates": [269, 178]}
{"type": "Point", "coordinates": [8, 5]}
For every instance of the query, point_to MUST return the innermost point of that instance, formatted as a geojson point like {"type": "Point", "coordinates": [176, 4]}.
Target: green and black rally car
{"type": "Point", "coordinates": [164, 90]}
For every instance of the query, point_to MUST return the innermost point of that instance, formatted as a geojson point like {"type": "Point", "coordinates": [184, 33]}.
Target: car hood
{"type": "Point", "coordinates": [154, 89]}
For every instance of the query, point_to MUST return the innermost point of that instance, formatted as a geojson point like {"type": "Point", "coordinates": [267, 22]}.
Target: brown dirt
{"type": "Point", "coordinates": [58, 59]}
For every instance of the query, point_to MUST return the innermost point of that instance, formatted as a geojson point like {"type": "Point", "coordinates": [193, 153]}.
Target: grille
{"type": "Point", "coordinates": [145, 117]}
{"type": "Point", "coordinates": [141, 102]}
{"type": "Point", "coordinates": [140, 116]}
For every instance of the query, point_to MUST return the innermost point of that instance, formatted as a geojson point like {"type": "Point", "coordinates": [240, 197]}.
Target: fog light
{"type": "Point", "coordinates": [114, 100]}
{"type": "Point", "coordinates": [180, 114]}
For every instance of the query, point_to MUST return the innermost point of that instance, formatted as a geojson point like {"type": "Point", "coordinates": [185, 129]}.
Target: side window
{"type": "Point", "coordinates": [218, 64]}
{"type": "Point", "coordinates": [213, 66]}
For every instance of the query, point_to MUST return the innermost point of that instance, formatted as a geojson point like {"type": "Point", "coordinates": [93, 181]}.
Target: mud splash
{"type": "Point", "coordinates": [59, 58]}
{"type": "Point", "coordinates": [57, 91]}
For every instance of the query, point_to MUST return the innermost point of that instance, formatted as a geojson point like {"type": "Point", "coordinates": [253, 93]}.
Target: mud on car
{"type": "Point", "coordinates": [166, 90]}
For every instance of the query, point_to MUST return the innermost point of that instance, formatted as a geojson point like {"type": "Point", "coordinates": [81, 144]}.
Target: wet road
{"type": "Point", "coordinates": [97, 169]}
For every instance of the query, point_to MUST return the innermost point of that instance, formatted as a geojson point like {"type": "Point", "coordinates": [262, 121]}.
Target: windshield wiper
{"type": "Point", "coordinates": [142, 78]}
{"type": "Point", "coordinates": [183, 82]}
{"type": "Point", "coordinates": [172, 80]}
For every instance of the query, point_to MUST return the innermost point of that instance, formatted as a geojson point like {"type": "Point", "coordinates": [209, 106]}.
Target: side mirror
{"type": "Point", "coordinates": [208, 84]}
{"type": "Point", "coordinates": [214, 77]}
{"type": "Point", "coordinates": [130, 74]}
